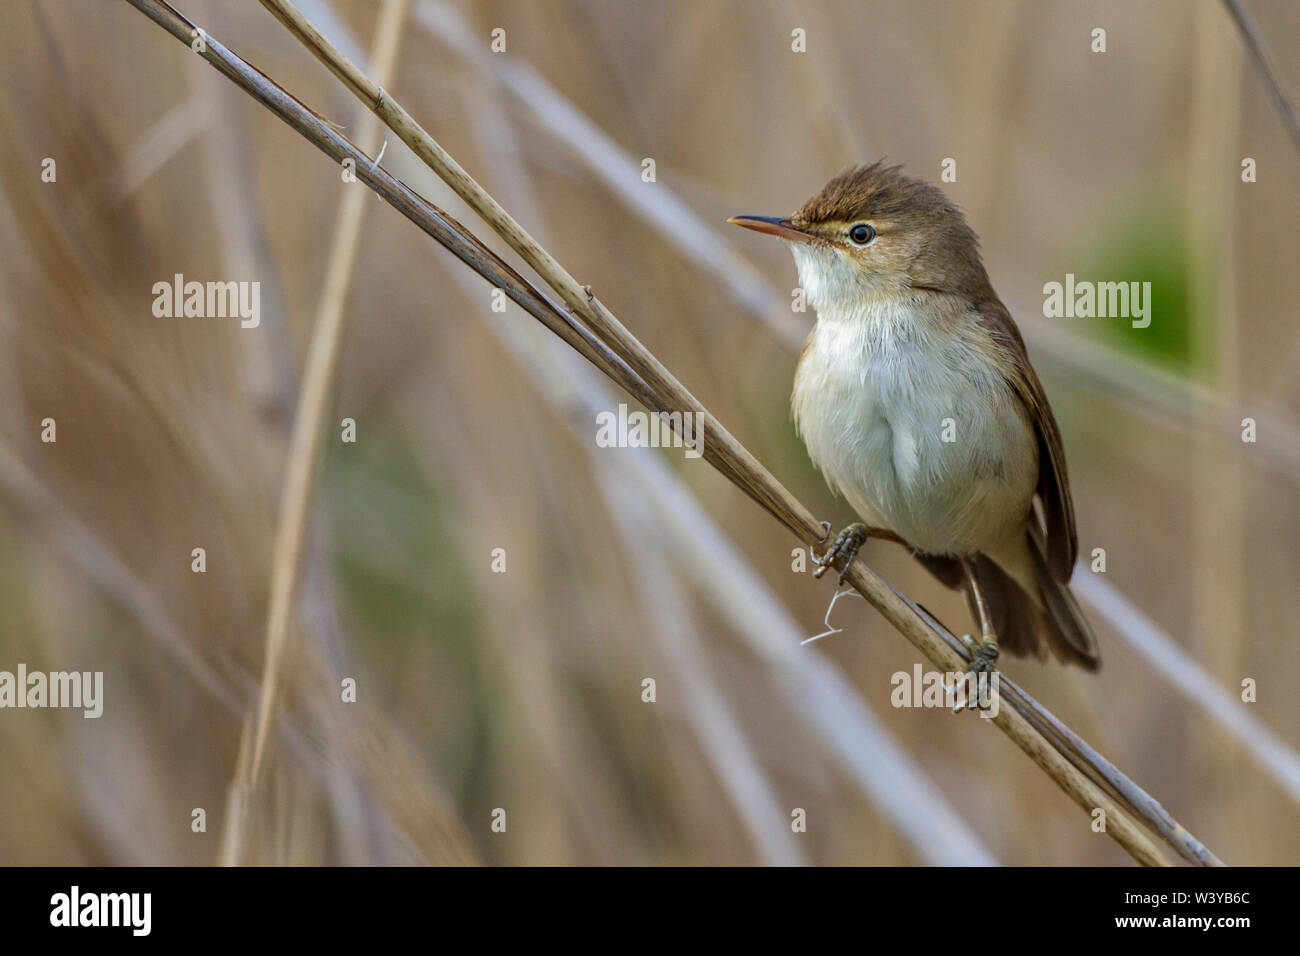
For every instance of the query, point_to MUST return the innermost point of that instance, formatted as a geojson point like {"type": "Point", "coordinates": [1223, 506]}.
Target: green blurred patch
{"type": "Point", "coordinates": [407, 597]}
{"type": "Point", "coordinates": [397, 565]}
{"type": "Point", "coordinates": [1148, 244]}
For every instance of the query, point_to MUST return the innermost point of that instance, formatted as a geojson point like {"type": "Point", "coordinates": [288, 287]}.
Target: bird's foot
{"type": "Point", "coordinates": [984, 655]}
{"type": "Point", "coordinates": [984, 659]}
{"type": "Point", "coordinates": [843, 550]}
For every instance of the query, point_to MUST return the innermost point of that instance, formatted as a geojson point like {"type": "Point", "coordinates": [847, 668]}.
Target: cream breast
{"type": "Point", "coordinates": [915, 431]}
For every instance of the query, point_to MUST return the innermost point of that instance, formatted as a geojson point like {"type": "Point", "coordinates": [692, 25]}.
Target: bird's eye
{"type": "Point", "coordinates": [862, 233]}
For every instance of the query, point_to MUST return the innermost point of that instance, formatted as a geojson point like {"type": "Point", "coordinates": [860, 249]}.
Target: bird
{"type": "Point", "coordinates": [916, 400]}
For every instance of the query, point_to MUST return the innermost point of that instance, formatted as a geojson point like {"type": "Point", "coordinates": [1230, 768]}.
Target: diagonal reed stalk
{"type": "Point", "coordinates": [588, 327]}
{"type": "Point", "coordinates": [1265, 67]}
{"type": "Point", "coordinates": [304, 444]}
{"type": "Point", "coordinates": [1142, 390]}
{"type": "Point", "coordinates": [317, 385]}
{"type": "Point", "coordinates": [817, 694]}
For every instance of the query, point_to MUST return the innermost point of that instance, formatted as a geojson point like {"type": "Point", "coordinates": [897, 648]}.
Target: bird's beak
{"type": "Point", "coordinates": [772, 226]}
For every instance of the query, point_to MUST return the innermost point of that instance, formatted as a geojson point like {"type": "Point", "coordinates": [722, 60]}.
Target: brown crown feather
{"type": "Point", "coordinates": [877, 192]}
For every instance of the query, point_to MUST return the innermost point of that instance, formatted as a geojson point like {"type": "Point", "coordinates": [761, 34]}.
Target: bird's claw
{"type": "Point", "coordinates": [984, 655]}
{"type": "Point", "coordinates": [984, 659]}
{"type": "Point", "coordinates": [842, 551]}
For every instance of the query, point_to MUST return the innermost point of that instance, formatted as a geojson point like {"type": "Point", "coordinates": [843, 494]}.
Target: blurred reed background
{"type": "Point", "coordinates": [523, 690]}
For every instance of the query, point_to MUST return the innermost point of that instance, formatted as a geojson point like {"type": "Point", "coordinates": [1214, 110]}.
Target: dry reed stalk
{"type": "Point", "coordinates": [571, 389]}
{"type": "Point", "coordinates": [695, 547]}
{"type": "Point", "coordinates": [761, 486]}
{"type": "Point", "coordinates": [815, 690]}
{"type": "Point", "coordinates": [1153, 645]}
{"type": "Point", "coordinates": [1141, 389]}
{"type": "Point", "coordinates": [53, 521]}
{"type": "Point", "coordinates": [612, 348]}
{"type": "Point", "coordinates": [304, 454]}
{"type": "Point", "coordinates": [317, 383]}
{"type": "Point", "coordinates": [733, 458]}
{"type": "Point", "coordinates": [1264, 66]}
{"type": "Point", "coordinates": [1219, 535]}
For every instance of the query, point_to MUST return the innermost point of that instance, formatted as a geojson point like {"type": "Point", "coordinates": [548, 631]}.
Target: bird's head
{"type": "Point", "coordinates": [873, 232]}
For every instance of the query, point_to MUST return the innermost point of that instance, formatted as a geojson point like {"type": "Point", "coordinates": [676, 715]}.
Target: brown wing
{"type": "Point", "coordinates": [1053, 482]}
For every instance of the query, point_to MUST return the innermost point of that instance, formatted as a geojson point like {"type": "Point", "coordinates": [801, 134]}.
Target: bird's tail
{"type": "Point", "coordinates": [1033, 622]}
{"type": "Point", "coordinates": [1032, 612]}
